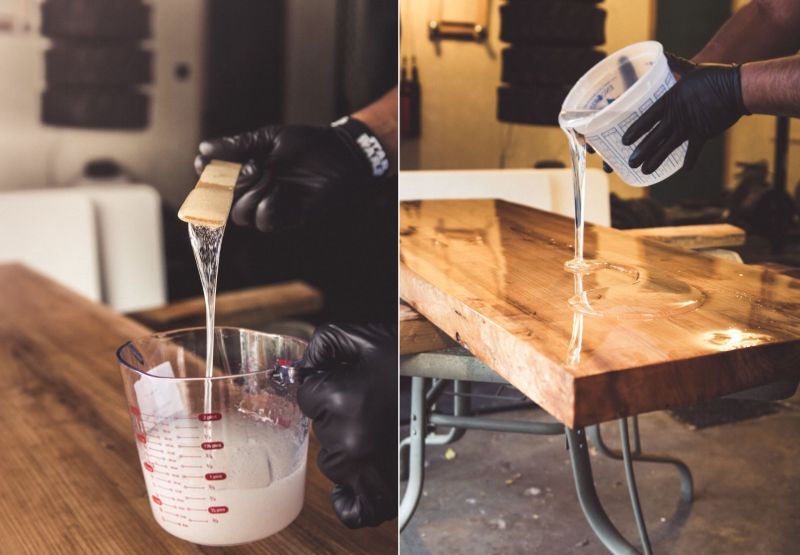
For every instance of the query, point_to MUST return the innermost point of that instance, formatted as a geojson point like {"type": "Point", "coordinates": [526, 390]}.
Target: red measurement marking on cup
{"type": "Point", "coordinates": [209, 416]}
{"type": "Point", "coordinates": [156, 500]}
{"type": "Point", "coordinates": [207, 445]}
{"type": "Point", "coordinates": [216, 476]}
{"type": "Point", "coordinates": [135, 410]}
{"type": "Point", "coordinates": [149, 467]}
{"type": "Point", "coordinates": [221, 509]}
{"type": "Point", "coordinates": [141, 438]}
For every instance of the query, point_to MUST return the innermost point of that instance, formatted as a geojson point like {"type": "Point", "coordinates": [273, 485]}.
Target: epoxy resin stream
{"type": "Point", "coordinates": [615, 290]}
{"type": "Point", "coordinates": [206, 244]}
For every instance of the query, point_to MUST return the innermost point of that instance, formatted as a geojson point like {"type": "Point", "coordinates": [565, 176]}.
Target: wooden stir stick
{"type": "Point", "coordinates": [209, 203]}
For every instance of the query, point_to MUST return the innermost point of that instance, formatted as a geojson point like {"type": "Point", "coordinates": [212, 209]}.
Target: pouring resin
{"type": "Point", "coordinates": [614, 290]}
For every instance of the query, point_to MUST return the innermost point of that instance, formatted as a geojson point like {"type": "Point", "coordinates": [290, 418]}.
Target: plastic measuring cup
{"type": "Point", "coordinates": [232, 474]}
{"type": "Point", "coordinates": [611, 96]}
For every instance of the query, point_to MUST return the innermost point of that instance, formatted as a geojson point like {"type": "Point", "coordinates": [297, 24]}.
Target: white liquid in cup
{"type": "Point", "coordinates": [261, 492]}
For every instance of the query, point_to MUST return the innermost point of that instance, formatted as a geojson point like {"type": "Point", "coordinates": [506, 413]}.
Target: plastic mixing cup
{"type": "Point", "coordinates": [611, 96]}
{"type": "Point", "coordinates": [226, 471]}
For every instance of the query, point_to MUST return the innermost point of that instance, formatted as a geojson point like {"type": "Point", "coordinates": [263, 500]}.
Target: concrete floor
{"type": "Point", "coordinates": [747, 491]}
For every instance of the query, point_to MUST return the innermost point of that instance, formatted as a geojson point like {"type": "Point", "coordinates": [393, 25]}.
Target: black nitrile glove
{"type": "Point", "coordinates": [679, 67]}
{"type": "Point", "coordinates": [705, 102]}
{"type": "Point", "coordinates": [352, 399]}
{"type": "Point", "coordinates": [293, 174]}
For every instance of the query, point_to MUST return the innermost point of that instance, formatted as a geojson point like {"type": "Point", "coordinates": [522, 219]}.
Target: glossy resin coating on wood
{"type": "Point", "coordinates": [71, 476]}
{"type": "Point", "coordinates": [490, 274]}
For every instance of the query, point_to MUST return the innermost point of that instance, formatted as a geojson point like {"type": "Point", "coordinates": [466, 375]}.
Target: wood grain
{"type": "Point", "coordinates": [694, 236]}
{"type": "Point", "coordinates": [490, 275]}
{"type": "Point", "coordinates": [418, 335]}
{"type": "Point", "coordinates": [246, 308]}
{"type": "Point", "coordinates": [71, 476]}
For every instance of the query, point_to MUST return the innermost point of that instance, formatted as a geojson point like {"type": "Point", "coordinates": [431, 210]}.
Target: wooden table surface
{"type": "Point", "coordinates": [490, 274]}
{"type": "Point", "coordinates": [71, 480]}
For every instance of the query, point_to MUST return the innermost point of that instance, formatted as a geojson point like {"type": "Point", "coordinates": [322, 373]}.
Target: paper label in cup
{"type": "Point", "coordinates": [161, 398]}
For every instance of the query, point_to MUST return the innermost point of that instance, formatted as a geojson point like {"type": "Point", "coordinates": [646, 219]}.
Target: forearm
{"type": "Point", "coordinates": [381, 118]}
{"type": "Point", "coordinates": [760, 30]}
{"type": "Point", "coordinates": [772, 86]}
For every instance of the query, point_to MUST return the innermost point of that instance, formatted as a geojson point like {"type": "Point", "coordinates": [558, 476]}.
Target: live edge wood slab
{"type": "Point", "coordinates": [71, 480]}
{"type": "Point", "coordinates": [490, 274]}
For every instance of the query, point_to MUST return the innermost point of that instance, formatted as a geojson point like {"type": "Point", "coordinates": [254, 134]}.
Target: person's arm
{"type": "Point", "coordinates": [714, 89]}
{"type": "Point", "coordinates": [772, 86]}
{"type": "Point", "coordinates": [761, 30]}
{"type": "Point", "coordinates": [381, 118]}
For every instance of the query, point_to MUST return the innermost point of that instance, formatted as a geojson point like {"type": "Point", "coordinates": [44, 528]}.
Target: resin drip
{"type": "Point", "coordinates": [610, 290]}
{"type": "Point", "coordinates": [206, 244]}
{"type": "Point", "coordinates": [626, 293]}
{"type": "Point", "coordinates": [577, 150]}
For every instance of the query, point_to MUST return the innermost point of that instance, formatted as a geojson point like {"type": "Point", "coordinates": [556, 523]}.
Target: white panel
{"type": "Point", "coordinates": [130, 243]}
{"type": "Point", "coordinates": [53, 233]}
{"type": "Point", "coordinates": [546, 189]}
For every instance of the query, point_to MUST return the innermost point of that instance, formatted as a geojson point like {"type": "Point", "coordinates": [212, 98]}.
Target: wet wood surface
{"type": "Point", "coordinates": [72, 482]}
{"type": "Point", "coordinates": [490, 274]}
{"type": "Point", "coordinates": [694, 236]}
{"type": "Point", "coordinates": [419, 335]}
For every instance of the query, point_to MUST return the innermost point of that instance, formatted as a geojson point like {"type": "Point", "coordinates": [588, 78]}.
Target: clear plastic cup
{"type": "Point", "coordinates": [230, 472]}
{"type": "Point", "coordinates": [611, 96]}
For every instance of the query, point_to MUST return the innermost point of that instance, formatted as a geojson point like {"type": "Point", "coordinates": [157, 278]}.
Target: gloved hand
{"type": "Point", "coordinates": [702, 104]}
{"type": "Point", "coordinates": [293, 174]}
{"type": "Point", "coordinates": [679, 67]}
{"type": "Point", "coordinates": [352, 399]}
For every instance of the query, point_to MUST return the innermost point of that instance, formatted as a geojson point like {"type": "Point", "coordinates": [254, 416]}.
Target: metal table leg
{"type": "Point", "coordinates": [687, 488]}
{"type": "Point", "coordinates": [416, 472]}
{"type": "Point", "coordinates": [587, 496]}
{"type": "Point", "coordinates": [634, 493]}
{"type": "Point", "coordinates": [461, 407]}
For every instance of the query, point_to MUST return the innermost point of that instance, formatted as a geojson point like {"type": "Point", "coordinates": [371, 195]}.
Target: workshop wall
{"type": "Point", "coordinates": [459, 88]}
{"type": "Point", "coordinates": [36, 156]}
{"type": "Point", "coordinates": [459, 127]}
{"type": "Point", "coordinates": [753, 139]}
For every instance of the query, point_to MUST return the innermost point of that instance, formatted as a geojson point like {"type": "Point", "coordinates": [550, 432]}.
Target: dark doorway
{"type": "Point", "coordinates": [684, 27]}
